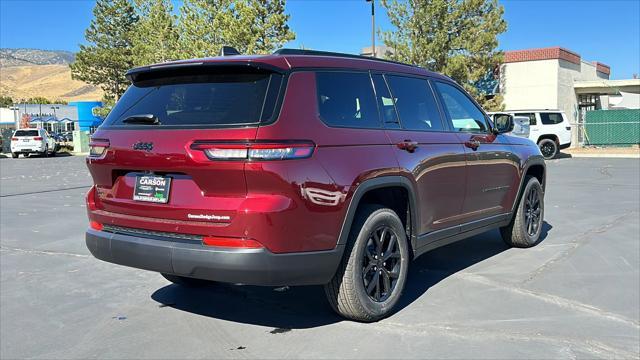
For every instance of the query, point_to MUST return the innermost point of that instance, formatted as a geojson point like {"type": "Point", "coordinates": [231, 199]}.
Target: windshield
{"type": "Point", "coordinates": [199, 100]}
{"type": "Point", "coordinates": [26, 133]}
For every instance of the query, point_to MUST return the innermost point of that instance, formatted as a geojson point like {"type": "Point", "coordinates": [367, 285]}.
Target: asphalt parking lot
{"type": "Point", "coordinates": [575, 295]}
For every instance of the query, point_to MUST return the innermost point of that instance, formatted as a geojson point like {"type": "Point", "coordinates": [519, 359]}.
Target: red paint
{"type": "Point", "coordinates": [271, 202]}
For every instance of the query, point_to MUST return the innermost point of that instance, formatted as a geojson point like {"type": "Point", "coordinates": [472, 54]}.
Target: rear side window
{"type": "Point", "coordinates": [550, 118]}
{"type": "Point", "coordinates": [416, 105]}
{"type": "Point", "coordinates": [26, 133]}
{"type": "Point", "coordinates": [464, 114]}
{"type": "Point", "coordinates": [531, 116]}
{"type": "Point", "coordinates": [203, 100]}
{"type": "Point", "coordinates": [346, 100]}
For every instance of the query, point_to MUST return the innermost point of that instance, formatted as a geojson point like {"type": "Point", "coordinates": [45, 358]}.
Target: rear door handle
{"type": "Point", "coordinates": [407, 145]}
{"type": "Point", "coordinates": [472, 144]}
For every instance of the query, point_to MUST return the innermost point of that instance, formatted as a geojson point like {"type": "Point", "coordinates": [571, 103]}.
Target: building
{"type": "Point", "coordinates": [558, 78]}
{"type": "Point", "coordinates": [52, 117]}
{"type": "Point", "coordinates": [382, 51]}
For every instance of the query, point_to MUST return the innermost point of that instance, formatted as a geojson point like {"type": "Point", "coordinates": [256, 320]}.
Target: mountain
{"type": "Point", "coordinates": [27, 73]}
{"type": "Point", "coordinates": [22, 57]}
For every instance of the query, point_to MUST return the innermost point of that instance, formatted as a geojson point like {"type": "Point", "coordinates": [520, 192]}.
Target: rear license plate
{"type": "Point", "coordinates": [152, 188]}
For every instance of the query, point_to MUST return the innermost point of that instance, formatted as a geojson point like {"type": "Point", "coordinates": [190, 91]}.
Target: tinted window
{"type": "Point", "coordinates": [416, 105]}
{"type": "Point", "coordinates": [26, 133]}
{"type": "Point", "coordinates": [501, 120]}
{"type": "Point", "coordinates": [531, 116]}
{"type": "Point", "coordinates": [385, 102]}
{"type": "Point", "coordinates": [209, 99]}
{"type": "Point", "coordinates": [347, 100]}
{"type": "Point", "coordinates": [464, 114]}
{"type": "Point", "coordinates": [550, 118]}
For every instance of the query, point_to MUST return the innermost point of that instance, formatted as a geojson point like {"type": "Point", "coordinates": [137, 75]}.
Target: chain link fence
{"type": "Point", "coordinates": [610, 128]}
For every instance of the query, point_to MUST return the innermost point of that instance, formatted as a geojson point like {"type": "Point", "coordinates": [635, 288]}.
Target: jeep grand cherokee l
{"type": "Point", "coordinates": [303, 168]}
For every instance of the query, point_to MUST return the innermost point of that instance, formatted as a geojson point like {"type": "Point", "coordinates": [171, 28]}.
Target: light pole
{"type": "Point", "coordinates": [55, 117]}
{"type": "Point", "coordinates": [15, 110]}
{"type": "Point", "coordinates": [373, 27]}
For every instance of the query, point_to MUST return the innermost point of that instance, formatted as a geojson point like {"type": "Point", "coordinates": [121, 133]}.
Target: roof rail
{"type": "Point", "coordinates": [286, 51]}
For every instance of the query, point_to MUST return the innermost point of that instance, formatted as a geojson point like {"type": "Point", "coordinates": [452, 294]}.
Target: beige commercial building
{"type": "Point", "coordinates": [557, 78]}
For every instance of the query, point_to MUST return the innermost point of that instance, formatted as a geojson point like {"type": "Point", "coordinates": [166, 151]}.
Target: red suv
{"type": "Point", "coordinates": [303, 168]}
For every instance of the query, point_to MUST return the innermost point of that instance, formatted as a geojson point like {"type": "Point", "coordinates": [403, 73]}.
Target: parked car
{"type": "Point", "coordinates": [32, 141]}
{"type": "Point", "coordinates": [303, 168]}
{"type": "Point", "coordinates": [550, 129]}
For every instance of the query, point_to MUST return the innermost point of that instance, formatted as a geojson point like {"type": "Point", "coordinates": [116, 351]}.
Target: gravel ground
{"type": "Point", "coordinates": [575, 295]}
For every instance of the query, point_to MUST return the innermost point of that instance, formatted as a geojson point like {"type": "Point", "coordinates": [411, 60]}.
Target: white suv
{"type": "Point", "coordinates": [30, 141]}
{"type": "Point", "coordinates": [550, 129]}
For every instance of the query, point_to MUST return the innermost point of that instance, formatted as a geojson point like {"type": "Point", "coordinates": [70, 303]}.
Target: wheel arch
{"type": "Point", "coordinates": [534, 166]}
{"type": "Point", "coordinates": [367, 190]}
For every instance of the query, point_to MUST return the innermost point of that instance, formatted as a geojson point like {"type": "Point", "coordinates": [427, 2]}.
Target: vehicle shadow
{"type": "Point", "coordinates": [303, 307]}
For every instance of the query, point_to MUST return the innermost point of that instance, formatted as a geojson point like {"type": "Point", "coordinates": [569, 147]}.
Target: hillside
{"type": "Point", "coordinates": [49, 81]}
{"type": "Point", "coordinates": [23, 57]}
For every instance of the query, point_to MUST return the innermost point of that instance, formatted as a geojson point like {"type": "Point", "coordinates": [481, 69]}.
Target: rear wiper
{"type": "Point", "coordinates": [145, 119]}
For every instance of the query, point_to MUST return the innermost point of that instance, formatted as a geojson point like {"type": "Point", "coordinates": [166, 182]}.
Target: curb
{"type": "Point", "coordinates": [618, 156]}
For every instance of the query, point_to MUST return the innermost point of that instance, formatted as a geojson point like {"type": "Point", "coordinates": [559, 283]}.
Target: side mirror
{"type": "Point", "coordinates": [503, 123]}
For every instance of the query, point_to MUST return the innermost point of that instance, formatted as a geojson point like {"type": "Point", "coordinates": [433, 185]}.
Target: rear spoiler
{"type": "Point", "coordinates": [194, 67]}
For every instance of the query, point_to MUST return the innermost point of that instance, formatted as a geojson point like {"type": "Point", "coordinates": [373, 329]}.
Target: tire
{"type": "Point", "coordinates": [187, 281]}
{"type": "Point", "coordinates": [518, 233]}
{"type": "Point", "coordinates": [15, 155]}
{"type": "Point", "coordinates": [346, 292]}
{"type": "Point", "coordinates": [548, 148]}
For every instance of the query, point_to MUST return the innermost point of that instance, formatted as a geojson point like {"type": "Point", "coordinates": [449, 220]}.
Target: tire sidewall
{"type": "Point", "coordinates": [555, 147]}
{"type": "Point", "coordinates": [531, 240]}
{"type": "Point", "coordinates": [376, 219]}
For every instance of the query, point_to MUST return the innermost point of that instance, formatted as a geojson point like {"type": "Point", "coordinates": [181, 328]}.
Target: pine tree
{"type": "Point", "coordinates": [454, 37]}
{"type": "Point", "coordinates": [155, 37]}
{"type": "Point", "coordinates": [109, 55]}
{"type": "Point", "coordinates": [200, 27]}
{"type": "Point", "coordinates": [251, 26]}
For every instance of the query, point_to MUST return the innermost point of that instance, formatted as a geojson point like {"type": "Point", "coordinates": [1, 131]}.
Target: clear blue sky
{"type": "Point", "coordinates": [605, 31]}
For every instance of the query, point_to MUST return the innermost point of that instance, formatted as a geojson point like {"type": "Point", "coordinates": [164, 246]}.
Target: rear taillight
{"type": "Point", "coordinates": [231, 242]}
{"type": "Point", "coordinates": [98, 147]}
{"type": "Point", "coordinates": [14, 139]}
{"type": "Point", "coordinates": [257, 151]}
{"type": "Point", "coordinates": [37, 138]}
{"type": "Point", "coordinates": [95, 225]}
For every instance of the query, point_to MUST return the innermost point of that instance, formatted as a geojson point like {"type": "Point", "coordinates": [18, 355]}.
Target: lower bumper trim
{"type": "Point", "coordinates": [245, 266]}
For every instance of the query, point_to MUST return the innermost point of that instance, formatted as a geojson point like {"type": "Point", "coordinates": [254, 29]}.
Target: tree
{"type": "Point", "coordinates": [455, 37]}
{"type": "Point", "coordinates": [109, 54]}
{"type": "Point", "coordinates": [262, 26]}
{"type": "Point", "coordinates": [6, 101]}
{"type": "Point", "coordinates": [155, 37]}
{"type": "Point", "coordinates": [251, 26]}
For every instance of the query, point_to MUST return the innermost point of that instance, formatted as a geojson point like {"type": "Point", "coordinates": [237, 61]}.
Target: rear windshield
{"type": "Point", "coordinates": [26, 133]}
{"type": "Point", "coordinates": [203, 100]}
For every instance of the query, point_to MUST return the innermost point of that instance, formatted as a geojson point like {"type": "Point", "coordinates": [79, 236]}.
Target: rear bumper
{"type": "Point", "coordinates": [565, 146]}
{"type": "Point", "coordinates": [245, 266]}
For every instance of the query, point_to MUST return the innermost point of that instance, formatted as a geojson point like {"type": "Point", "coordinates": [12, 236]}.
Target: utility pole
{"type": "Point", "coordinates": [373, 27]}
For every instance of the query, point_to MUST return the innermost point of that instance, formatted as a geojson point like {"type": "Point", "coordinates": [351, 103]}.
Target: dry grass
{"type": "Point", "coordinates": [49, 81]}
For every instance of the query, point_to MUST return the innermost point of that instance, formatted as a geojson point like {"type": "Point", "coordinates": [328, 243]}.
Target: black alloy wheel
{"type": "Point", "coordinates": [381, 264]}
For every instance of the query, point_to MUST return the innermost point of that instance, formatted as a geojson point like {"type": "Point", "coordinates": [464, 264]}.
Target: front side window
{"type": "Point", "coordinates": [416, 105]}
{"type": "Point", "coordinates": [531, 116]}
{"type": "Point", "coordinates": [347, 100]}
{"type": "Point", "coordinates": [550, 118]}
{"type": "Point", "coordinates": [464, 114]}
